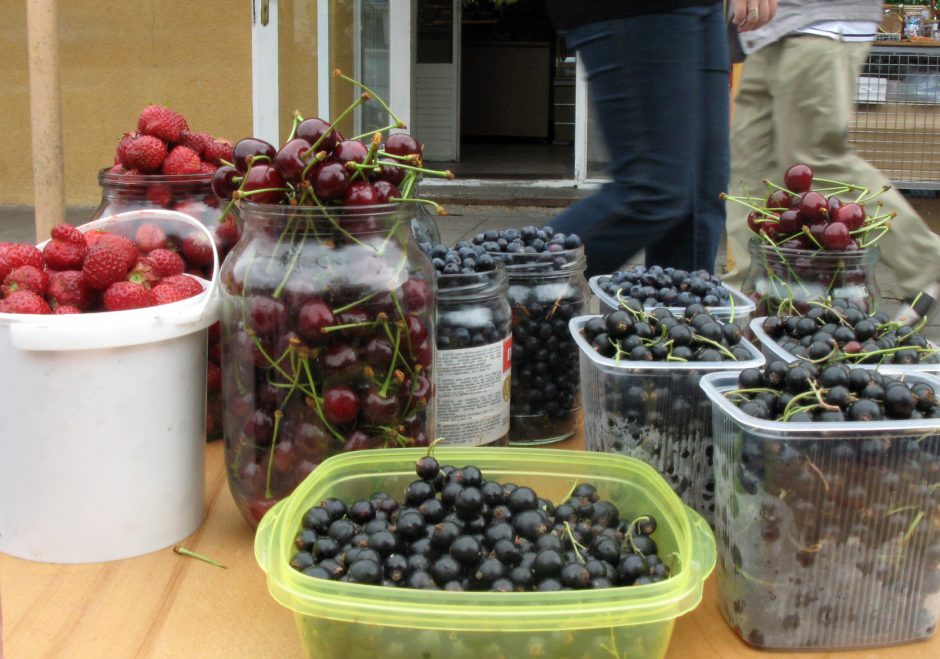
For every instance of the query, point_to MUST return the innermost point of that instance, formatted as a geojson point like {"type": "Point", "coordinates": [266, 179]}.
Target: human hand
{"type": "Point", "coordinates": [751, 14]}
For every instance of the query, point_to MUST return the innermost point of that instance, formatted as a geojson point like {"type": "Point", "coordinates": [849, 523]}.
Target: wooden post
{"type": "Point", "coordinates": [45, 106]}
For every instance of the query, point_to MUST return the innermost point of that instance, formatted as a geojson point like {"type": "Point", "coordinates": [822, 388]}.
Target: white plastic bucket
{"type": "Point", "coordinates": [102, 425]}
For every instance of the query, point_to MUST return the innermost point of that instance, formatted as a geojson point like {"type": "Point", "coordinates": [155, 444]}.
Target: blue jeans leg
{"type": "Point", "coordinates": [659, 88]}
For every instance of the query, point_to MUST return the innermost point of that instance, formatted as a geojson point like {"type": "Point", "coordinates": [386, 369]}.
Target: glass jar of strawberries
{"type": "Point", "coordinates": [327, 342]}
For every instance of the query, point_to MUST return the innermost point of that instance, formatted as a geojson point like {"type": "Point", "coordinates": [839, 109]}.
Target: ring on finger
{"type": "Point", "coordinates": [753, 13]}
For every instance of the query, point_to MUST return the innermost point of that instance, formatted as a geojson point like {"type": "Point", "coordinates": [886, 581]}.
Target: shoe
{"type": "Point", "coordinates": [917, 308]}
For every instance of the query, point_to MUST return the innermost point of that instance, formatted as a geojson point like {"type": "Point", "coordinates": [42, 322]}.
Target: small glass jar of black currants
{"type": "Point", "coordinates": [474, 341]}
{"type": "Point", "coordinates": [547, 288]}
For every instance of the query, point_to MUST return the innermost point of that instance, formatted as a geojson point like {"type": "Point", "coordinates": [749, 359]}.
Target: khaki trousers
{"type": "Point", "coordinates": [794, 105]}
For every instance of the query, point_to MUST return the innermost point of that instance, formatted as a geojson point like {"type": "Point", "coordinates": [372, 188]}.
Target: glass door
{"type": "Point", "coordinates": [296, 46]}
{"type": "Point", "coordinates": [437, 78]}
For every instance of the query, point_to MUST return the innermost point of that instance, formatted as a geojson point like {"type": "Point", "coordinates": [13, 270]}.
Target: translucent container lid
{"type": "Point", "coordinates": [628, 483]}
{"type": "Point", "coordinates": [716, 384]}
{"type": "Point", "coordinates": [740, 305]}
{"type": "Point", "coordinates": [772, 349]}
{"type": "Point", "coordinates": [608, 364]}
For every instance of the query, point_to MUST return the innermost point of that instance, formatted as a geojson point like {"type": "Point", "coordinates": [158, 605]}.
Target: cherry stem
{"type": "Point", "coordinates": [293, 127]}
{"type": "Point", "coordinates": [748, 204]}
{"type": "Point", "coordinates": [809, 234]}
{"type": "Point", "coordinates": [398, 122]}
{"type": "Point", "coordinates": [316, 403]}
{"type": "Point", "coordinates": [433, 445]}
{"type": "Point", "coordinates": [440, 210]}
{"type": "Point", "coordinates": [396, 355]}
{"type": "Point", "coordinates": [182, 551]}
{"type": "Point", "coordinates": [377, 131]}
{"type": "Point", "coordinates": [362, 98]}
{"type": "Point", "coordinates": [278, 415]}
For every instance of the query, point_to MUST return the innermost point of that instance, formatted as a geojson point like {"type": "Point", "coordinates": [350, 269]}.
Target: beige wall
{"type": "Point", "coordinates": [117, 57]}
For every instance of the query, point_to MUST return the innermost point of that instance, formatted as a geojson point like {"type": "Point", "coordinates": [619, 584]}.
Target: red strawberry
{"type": "Point", "coordinates": [91, 237]}
{"type": "Point", "coordinates": [166, 263]}
{"type": "Point", "coordinates": [162, 122]}
{"type": "Point", "coordinates": [26, 278]}
{"type": "Point", "coordinates": [59, 311]}
{"type": "Point", "coordinates": [66, 250]}
{"type": "Point", "coordinates": [120, 154]}
{"type": "Point", "coordinates": [197, 250]}
{"type": "Point", "coordinates": [13, 255]}
{"type": "Point", "coordinates": [160, 195]}
{"type": "Point", "coordinates": [124, 295]}
{"type": "Point", "coordinates": [207, 168]}
{"type": "Point", "coordinates": [187, 284]}
{"type": "Point", "coordinates": [195, 141]}
{"type": "Point", "coordinates": [144, 153]}
{"type": "Point", "coordinates": [24, 302]}
{"type": "Point", "coordinates": [144, 272]}
{"type": "Point", "coordinates": [216, 151]}
{"type": "Point", "coordinates": [108, 261]}
{"type": "Point", "coordinates": [149, 237]}
{"type": "Point", "coordinates": [213, 377]}
{"type": "Point", "coordinates": [68, 289]}
{"type": "Point", "coordinates": [215, 333]}
{"type": "Point", "coordinates": [182, 160]}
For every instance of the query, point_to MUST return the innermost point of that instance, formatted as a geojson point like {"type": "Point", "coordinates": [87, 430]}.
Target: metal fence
{"type": "Point", "coordinates": [896, 125]}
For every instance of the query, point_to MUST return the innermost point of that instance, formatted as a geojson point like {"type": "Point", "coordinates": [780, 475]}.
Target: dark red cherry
{"type": "Point", "coordinates": [340, 405]}
{"type": "Point", "coordinates": [418, 390]}
{"type": "Point", "coordinates": [263, 185]}
{"type": "Point", "coordinates": [798, 178]}
{"type": "Point", "coordinates": [833, 204]}
{"type": "Point", "coordinates": [417, 295]}
{"type": "Point", "coordinates": [836, 236]}
{"type": "Point", "coordinates": [378, 352]}
{"type": "Point", "coordinates": [329, 180]}
{"type": "Point", "coordinates": [402, 144]}
{"type": "Point", "coordinates": [359, 440]}
{"type": "Point", "coordinates": [313, 129]}
{"type": "Point", "coordinates": [790, 222]}
{"type": "Point", "coordinates": [312, 318]}
{"type": "Point", "coordinates": [389, 172]}
{"type": "Point", "coordinates": [379, 409]}
{"type": "Point", "coordinates": [417, 330]}
{"type": "Point", "coordinates": [385, 191]}
{"type": "Point", "coordinates": [266, 314]}
{"type": "Point", "coordinates": [423, 354]}
{"type": "Point", "coordinates": [360, 193]}
{"type": "Point", "coordinates": [248, 148]}
{"type": "Point", "coordinates": [289, 160]}
{"type": "Point", "coordinates": [814, 207]}
{"type": "Point", "coordinates": [851, 215]}
{"type": "Point", "coordinates": [223, 181]}
{"type": "Point", "coordinates": [349, 151]}
{"type": "Point", "coordinates": [339, 358]}
{"type": "Point", "coordinates": [778, 199]}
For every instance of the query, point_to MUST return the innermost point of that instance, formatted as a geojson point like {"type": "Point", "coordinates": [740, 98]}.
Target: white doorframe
{"type": "Point", "coordinates": [264, 71]}
{"type": "Point", "coordinates": [580, 124]}
{"type": "Point", "coordinates": [324, 74]}
{"type": "Point", "coordinates": [401, 58]}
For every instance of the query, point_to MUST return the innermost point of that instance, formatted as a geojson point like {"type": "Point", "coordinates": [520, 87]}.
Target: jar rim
{"type": "Point", "coordinates": [786, 253]}
{"type": "Point", "coordinates": [461, 286]}
{"type": "Point", "coordinates": [542, 262]}
{"type": "Point", "coordinates": [106, 176]}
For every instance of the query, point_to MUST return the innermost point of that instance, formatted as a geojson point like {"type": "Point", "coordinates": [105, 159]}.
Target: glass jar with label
{"type": "Point", "coordinates": [546, 290]}
{"type": "Point", "coordinates": [473, 360]}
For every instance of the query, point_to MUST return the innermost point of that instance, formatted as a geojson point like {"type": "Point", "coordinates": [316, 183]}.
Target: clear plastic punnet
{"type": "Point", "coordinates": [827, 532]}
{"type": "Point", "coordinates": [656, 412]}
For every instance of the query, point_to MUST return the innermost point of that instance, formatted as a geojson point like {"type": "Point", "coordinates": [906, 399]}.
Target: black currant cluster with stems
{"type": "Point", "coordinates": [657, 286]}
{"type": "Point", "coordinates": [843, 331]}
{"type": "Point", "coordinates": [455, 530]}
{"type": "Point", "coordinates": [328, 305]}
{"type": "Point", "coordinates": [828, 538]}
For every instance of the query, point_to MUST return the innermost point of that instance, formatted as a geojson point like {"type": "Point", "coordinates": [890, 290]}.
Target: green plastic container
{"type": "Point", "coordinates": [345, 620]}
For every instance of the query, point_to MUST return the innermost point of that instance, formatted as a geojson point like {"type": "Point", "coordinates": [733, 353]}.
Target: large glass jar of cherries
{"type": "Point", "coordinates": [327, 305]}
{"type": "Point", "coordinates": [327, 342]}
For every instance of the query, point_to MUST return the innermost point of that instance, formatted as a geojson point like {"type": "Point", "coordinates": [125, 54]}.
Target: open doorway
{"type": "Point", "coordinates": [515, 90]}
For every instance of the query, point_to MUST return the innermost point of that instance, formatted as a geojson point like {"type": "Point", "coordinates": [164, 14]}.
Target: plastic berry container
{"type": "Point", "coordinates": [827, 532]}
{"type": "Point", "coordinates": [655, 412]}
{"type": "Point", "coordinates": [772, 349]}
{"type": "Point", "coordinates": [351, 621]}
{"type": "Point", "coordinates": [474, 347]}
{"type": "Point", "coordinates": [738, 310]}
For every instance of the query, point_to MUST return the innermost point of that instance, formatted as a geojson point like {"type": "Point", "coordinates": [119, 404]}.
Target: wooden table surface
{"type": "Point", "coordinates": [165, 605]}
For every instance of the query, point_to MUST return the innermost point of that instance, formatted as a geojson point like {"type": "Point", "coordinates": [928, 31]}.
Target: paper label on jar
{"type": "Point", "coordinates": [473, 393]}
